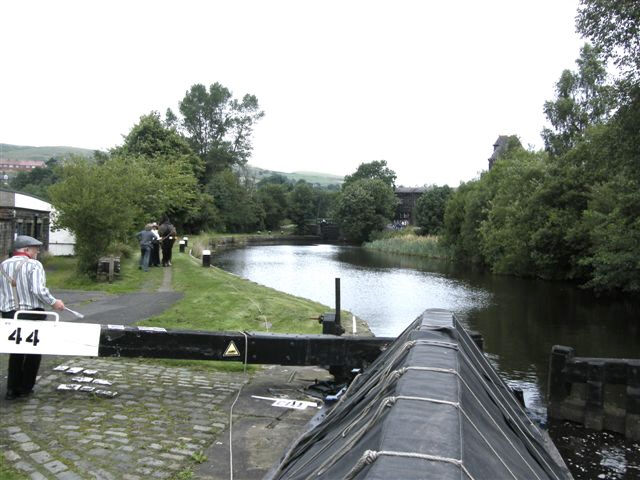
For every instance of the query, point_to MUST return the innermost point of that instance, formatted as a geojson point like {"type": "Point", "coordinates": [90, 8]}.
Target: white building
{"type": "Point", "coordinates": [24, 214]}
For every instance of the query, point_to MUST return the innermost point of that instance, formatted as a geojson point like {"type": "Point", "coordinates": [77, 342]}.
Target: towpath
{"type": "Point", "coordinates": [166, 422]}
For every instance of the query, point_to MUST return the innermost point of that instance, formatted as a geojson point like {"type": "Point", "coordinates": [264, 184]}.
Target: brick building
{"type": "Point", "coordinates": [407, 197]}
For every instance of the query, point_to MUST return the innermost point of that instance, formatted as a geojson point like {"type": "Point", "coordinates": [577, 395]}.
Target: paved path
{"type": "Point", "coordinates": [166, 422]}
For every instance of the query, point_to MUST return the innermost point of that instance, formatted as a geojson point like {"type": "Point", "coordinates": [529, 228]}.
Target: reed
{"type": "Point", "coordinates": [409, 244]}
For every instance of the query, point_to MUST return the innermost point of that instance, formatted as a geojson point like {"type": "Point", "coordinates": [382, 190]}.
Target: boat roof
{"type": "Point", "coordinates": [431, 406]}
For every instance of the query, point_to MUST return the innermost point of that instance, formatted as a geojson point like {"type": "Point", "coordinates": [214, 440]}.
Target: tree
{"type": "Point", "coordinates": [275, 179]}
{"type": "Point", "coordinates": [151, 138]}
{"type": "Point", "coordinates": [218, 126]}
{"type": "Point", "coordinates": [301, 205]}
{"type": "Point", "coordinates": [324, 199]}
{"type": "Point", "coordinates": [614, 28]}
{"type": "Point", "coordinates": [430, 209]}
{"type": "Point", "coordinates": [584, 98]}
{"type": "Point", "coordinates": [169, 159]}
{"type": "Point", "coordinates": [37, 181]}
{"type": "Point", "coordinates": [85, 198]}
{"type": "Point", "coordinates": [376, 169]}
{"type": "Point", "coordinates": [613, 223]}
{"type": "Point", "coordinates": [364, 206]}
{"type": "Point", "coordinates": [273, 199]}
{"type": "Point", "coordinates": [465, 210]}
{"type": "Point", "coordinates": [238, 209]}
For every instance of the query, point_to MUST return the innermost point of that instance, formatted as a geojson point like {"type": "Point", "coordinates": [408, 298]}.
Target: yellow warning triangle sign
{"type": "Point", "coordinates": [231, 351]}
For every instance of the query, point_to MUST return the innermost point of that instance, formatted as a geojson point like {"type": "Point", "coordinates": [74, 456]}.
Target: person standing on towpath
{"type": "Point", "coordinates": [146, 238]}
{"type": "Point", "coordinates": [23, 287]}
{"type": "Point", "coordinates": [168, 236]}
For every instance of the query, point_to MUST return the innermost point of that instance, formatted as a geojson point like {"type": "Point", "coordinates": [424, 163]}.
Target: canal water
{"type": "Point", "coordinates": [520, 320]}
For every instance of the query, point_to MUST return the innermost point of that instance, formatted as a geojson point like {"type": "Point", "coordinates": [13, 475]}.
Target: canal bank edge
{"type": "Point", "coordinates": [352, 324]}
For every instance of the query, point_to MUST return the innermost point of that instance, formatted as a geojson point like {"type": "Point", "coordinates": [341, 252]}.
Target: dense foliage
{"type": "Point", "coordinates": [376, 169]}
{"type": "Point", "coordinates": [573, 210]}
{"type": "Point", "coordinates": [37, 181]}
{"type": "Point", "coordinates": [430, 209]}
{"type": "Point", "coordinates": [364, 206]}
{"type": "Point", "coordinates": [106, 203]}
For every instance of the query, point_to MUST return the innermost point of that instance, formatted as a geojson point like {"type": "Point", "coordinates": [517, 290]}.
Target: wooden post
{"type": "Point", "coordinates": [112, 263]}
{"type": "Point", "coordinates": [559, 388]}
{"type": "Point", "coordinates": [206, 258]}
{"type": "Point", "coordinates": [594, 408]}
{"type": "Point", "coordinates": [632, 420]}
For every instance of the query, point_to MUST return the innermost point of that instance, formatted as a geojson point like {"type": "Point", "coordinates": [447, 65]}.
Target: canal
{"type": "Point", "coordinates": [520, 320]}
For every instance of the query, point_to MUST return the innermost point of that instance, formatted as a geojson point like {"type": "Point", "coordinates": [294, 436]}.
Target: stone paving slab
{"type": "Point", "coordinates": [166, 422]}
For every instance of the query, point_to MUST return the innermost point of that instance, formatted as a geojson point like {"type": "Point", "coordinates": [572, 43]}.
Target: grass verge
{"type": "Point", "coordinates": [217, 300]}
{"type": "Point", "coordinates": [214, 300]}
{"type": "Point", "coordinates": [61, 274]}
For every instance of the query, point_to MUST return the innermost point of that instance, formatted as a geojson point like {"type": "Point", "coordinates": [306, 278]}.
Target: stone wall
{"type": "Point", "coordinates": [600, 393]}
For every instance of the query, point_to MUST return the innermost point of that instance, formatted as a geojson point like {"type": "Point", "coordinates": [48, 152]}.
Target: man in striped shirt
{"type": "Point", "coordinates": [23, 287]}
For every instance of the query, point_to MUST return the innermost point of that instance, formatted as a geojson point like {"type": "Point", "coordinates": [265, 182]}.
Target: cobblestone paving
{"type": "Point", "coordinates": [158, 425]}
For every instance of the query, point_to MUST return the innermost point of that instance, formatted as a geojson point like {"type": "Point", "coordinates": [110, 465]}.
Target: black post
{"type": "Point", "coordinates": [206, 258]}
{"type": "Point", "coordinates": [337, 301]}
{"type": "Point", "coordinates": [181, 246]}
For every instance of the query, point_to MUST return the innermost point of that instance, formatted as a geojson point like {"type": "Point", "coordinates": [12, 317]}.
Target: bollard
{"type": "Point", "coordinates": [186, 241]}
{"type": "Point", "coordinates": [206, 258]}
{"type": "Point", "coordinates": [182, 245]}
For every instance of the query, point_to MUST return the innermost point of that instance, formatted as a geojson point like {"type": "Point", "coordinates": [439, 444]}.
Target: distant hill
{"type": "Point", "coordinates": [22, 153]}
{"type": "Point", "coordinates": [315, 178]}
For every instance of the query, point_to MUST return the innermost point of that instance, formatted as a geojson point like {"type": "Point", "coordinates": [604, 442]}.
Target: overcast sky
{"type": "Point", "coordinates": [426, 85]}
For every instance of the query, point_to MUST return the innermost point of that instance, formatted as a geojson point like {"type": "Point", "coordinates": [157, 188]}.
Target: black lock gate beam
{"type": "Point", "coordinates": [261, 348]}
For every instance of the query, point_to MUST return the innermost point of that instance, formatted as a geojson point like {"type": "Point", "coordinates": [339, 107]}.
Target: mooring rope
{"type": "Point", "coordinates": [246, 352]}
{"type": "Point", "coordinates": [371, 456]}
{"type": "Point", "coordinates": [506, 406]}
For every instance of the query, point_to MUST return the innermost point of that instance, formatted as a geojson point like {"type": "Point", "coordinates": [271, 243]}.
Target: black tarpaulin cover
{"type": "Point", "coordinates": [430, 406]}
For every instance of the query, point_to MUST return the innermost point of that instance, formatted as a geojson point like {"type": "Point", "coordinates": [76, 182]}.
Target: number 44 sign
{"type": "Point", "coordinates": [49, 338]}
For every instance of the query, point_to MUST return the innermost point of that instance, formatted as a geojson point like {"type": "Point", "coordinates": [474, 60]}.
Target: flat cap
{"type": "Point", "coordinates": [22, 241]}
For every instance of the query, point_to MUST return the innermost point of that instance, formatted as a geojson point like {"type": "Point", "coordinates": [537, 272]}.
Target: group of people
{"type": "Point", "coordinates": [154, 238]}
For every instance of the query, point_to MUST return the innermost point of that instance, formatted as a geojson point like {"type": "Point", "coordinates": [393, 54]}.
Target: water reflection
{"type": "Point", "coordinates": [384, 291]}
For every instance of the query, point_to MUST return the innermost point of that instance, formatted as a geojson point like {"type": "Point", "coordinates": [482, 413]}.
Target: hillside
{"type": "Point", "coordinates": [22, 153]}
{"type": "Point", "coordinates": [315, 178]}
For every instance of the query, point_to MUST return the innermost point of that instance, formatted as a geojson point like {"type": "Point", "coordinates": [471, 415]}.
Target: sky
{"type": "Point", "coordinates": [427, 86]}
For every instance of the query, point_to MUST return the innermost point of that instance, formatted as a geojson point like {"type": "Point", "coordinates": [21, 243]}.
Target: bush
{"type": "Point", "coordinates": [122, 250]}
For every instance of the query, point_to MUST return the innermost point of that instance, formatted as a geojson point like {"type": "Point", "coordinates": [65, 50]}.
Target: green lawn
{"type": "Point", "coordinates": [217, 300]}
{"type": "Point", "coordinates": [61, 274]}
